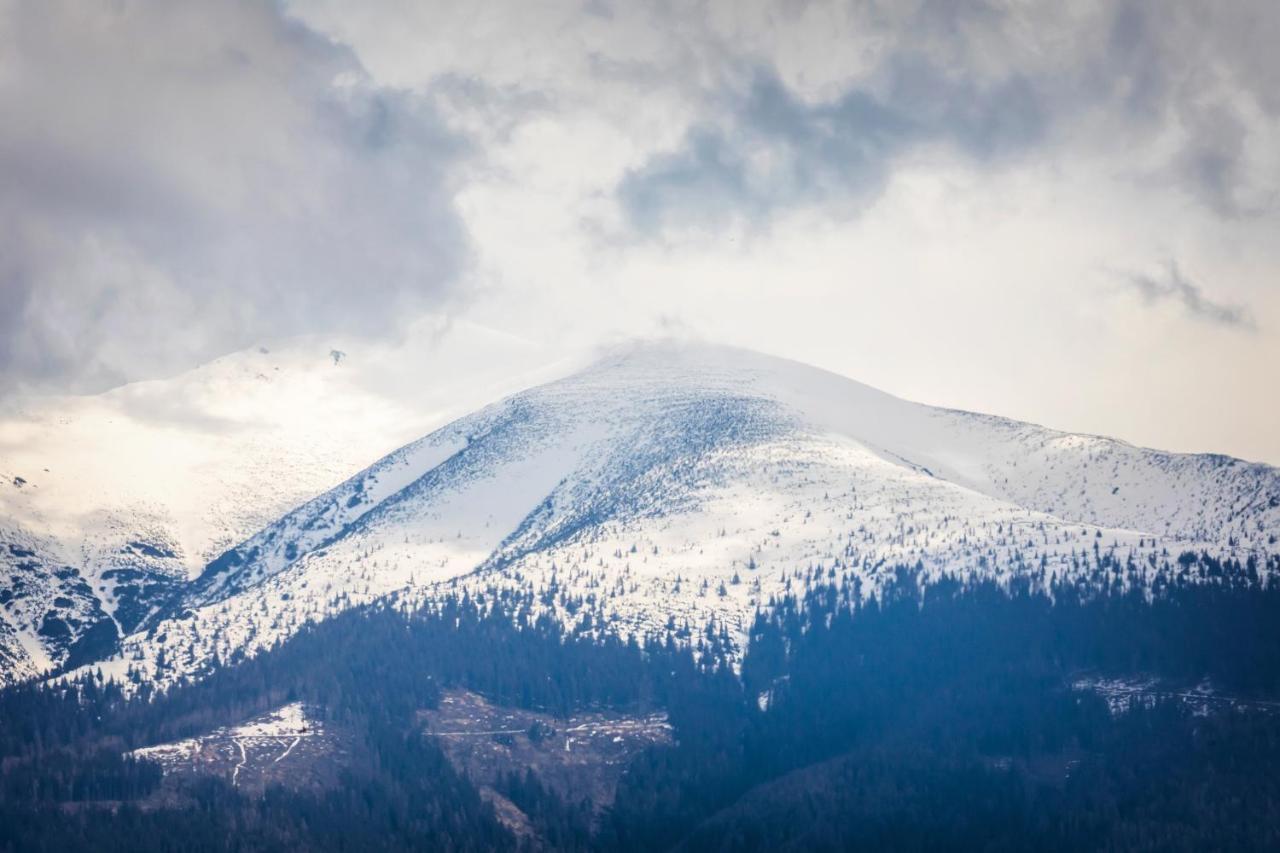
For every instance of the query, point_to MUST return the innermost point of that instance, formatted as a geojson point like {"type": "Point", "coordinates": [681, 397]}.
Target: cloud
{"type": "Point", "coordinates": [772, 150]}
{"type": "Point", "coordinates": [1170, 97]}
{"type": "Point", "coordinates": [1176, 287]}
{"type": "Point", "coordinates": [827, 179]}
{"type": "Point", "coordinates": [183, 179]}
{"type": "Point", "coordinates": [1208, 85]}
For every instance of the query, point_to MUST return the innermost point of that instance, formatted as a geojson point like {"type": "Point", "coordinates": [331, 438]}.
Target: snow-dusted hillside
{"type": "Point", "coordinates": [110, 502]}
{"type": "Point", "coordinates": [671, 486]}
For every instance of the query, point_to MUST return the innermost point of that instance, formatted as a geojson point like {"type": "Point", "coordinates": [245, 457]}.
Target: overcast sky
{"type": "Point", "coordinates": [1063, 212]}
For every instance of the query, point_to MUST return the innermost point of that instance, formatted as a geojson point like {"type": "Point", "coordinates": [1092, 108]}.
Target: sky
{"type": "Point", "coordinates": [1062, 213]}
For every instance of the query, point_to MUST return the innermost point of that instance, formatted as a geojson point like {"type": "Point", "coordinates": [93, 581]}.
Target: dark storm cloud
{"type": "Point", "coordinates": [182, 179]}
{"type": "Point", "coordinates": [777, 150]}
{"type": "Point", "coordinates": [989, 82]}
{"type": "Point", "coordinates": [1174, 286]}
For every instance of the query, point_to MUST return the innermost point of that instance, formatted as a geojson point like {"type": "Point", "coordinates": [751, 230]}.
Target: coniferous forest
{"type": "Point", "coordinates": [938, 716]}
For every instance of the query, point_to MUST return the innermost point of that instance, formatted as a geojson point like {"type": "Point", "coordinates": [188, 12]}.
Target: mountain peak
{"type": "Point", "coordinates": [628, 476]}
{"type": "Point", "coordinates": [677, 480]}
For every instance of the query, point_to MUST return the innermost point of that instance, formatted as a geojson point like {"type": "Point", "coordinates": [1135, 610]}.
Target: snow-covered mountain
{"type": "Point", "coordinates": [110, 503]}
{"type": "Point", "coordinates": [668, 487]}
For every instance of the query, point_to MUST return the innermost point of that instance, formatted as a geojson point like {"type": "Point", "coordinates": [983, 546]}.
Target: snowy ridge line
{"type": "Point", "coordinates": [688, 485]}
{"type": "Point", "coordinates": [140, 488]}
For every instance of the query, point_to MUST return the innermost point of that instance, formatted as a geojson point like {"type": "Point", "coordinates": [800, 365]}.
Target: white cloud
{"type": "Point", "coordinates": [182, 179]}
{"type": "Point", "coordinates": [932, 197]}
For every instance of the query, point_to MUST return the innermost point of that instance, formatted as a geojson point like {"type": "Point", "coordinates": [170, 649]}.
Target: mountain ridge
{"type": "Point", "coordinates": [668, 466]}
{"type": "Point", "coordinates": [689, 482]}
{"type": "Point", "coordinates": [139, 488]}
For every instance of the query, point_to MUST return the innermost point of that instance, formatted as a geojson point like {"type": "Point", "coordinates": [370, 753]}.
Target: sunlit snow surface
{"type": "Point", "coordinates": [672, 485]}
{"type": "Point", "coordinates": [141, 487]}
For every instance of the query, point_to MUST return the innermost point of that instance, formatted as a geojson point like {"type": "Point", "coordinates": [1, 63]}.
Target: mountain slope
{"type": "Point", "coordinates": [138, 489]}
{"type": "Point", "coordinates": [674, 489]}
